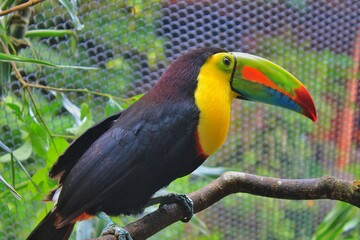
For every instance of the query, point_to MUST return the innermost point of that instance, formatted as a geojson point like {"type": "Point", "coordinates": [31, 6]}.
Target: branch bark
{"type": "Point", "coordinates": [20, 7]}
{"type": "Point", "coordinates": [237, 182]}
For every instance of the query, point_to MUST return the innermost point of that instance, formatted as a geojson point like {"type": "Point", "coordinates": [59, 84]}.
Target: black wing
{"type": "Point", "coordinates": [142, 152]}
{"type": "Point", "coordinates": [77, 148]}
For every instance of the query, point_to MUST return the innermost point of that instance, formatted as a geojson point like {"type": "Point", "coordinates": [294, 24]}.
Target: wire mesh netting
{"type": "Point", "coordinates": [132, 42]}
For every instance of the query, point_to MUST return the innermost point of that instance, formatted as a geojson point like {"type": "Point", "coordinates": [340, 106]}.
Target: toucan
{"type": "Point", "coordinates": [116, 166]}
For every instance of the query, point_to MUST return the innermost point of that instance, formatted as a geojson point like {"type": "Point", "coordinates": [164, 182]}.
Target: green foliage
{"type": "Point", "coordinates": [132, 31]}
{"type": "Point", "coordinates": [72, 10]}
{"type": "Point", "coordinates": [112, 107]}
{"type": "Point", "coordinates": [15, 58]}
{"type": "Point", "coordinates": [86, 121]}
{"type": "Point", "coordinates": [37, 127]}
{"type": "Point", "coordinates": [36, 143]}
{"type": "Point", "coordinates": [342, 222]}
{"type": "Point", "coordinates": [12, 190]}
{"type": "Point", "coordinates": [21, 153]}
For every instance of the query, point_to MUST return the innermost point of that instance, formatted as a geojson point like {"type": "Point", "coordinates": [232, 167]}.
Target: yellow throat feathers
{"type": "Point", "coordinates": [213, 97]}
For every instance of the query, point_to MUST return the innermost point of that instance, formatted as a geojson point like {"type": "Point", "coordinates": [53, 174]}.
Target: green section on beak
{"type": "Point", "coordinates": [260, 80]}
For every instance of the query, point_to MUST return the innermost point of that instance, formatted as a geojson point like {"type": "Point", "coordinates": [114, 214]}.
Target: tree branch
{"type": "Point", "coordinates": [20, 7]}
{"type": "Point", "coordinates": [236, 182]}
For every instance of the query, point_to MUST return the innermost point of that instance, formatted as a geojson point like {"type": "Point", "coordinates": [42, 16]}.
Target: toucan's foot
{"type": "Point", "coordinates": [113, 229]}
{"type": "Point", "coordinates": [119, 232]}
{"type": "Point", "coordinates": [181, 199]}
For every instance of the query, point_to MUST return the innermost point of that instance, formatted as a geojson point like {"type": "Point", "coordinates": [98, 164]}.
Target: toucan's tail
{"type": "Point", "coordinates": [46, 229]}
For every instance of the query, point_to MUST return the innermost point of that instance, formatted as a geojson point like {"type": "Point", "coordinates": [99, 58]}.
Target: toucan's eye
{"type": "Point", "coordinates": [227, 61]}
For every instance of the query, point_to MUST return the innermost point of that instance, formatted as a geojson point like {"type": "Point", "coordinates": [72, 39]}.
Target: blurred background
{"type": "Point", "coordinates": [132, 42]}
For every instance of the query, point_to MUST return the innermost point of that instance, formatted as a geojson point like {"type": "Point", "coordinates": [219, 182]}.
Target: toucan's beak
{"type": "Point", "coordinates": [260, 80]}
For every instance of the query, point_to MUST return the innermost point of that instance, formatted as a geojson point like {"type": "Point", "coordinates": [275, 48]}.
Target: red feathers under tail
{"type": "Point", "coordinates": [46, 229]}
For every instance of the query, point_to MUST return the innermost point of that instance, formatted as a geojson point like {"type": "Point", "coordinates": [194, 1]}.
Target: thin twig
{"type": "Point", "coordinates": [237, 182]}
{"type": "Point", "coordinates": [84, 90]}
{"type": "Point", "coordinates": [26, 86]}
{"type": "Point", "coordinates": [20, 7]}
{"type": "Point", "coordinates": [71, 137]}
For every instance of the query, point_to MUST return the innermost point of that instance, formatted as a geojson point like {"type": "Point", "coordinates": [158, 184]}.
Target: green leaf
{"type": "Point", "coordinates": [14, 58]}
{"type": "Point", "coordinates": [5, 73]}
{"type": "Point", "coordinates": [352, 224]}
{"type": "Point", "coordinates": [112, 107]}
{"type": "Point", "coordinates": [12, 190]}
{"type": "Point", "coordinates": [3, 146]}
{"type": "Point", "coordinates": [131, 101]}
{"type": "Point", "coordinates": [40, 178]}
{"type": "Point", "coordinates": [22, 153]}
{"type": "Point", "coordinates": [6, 4]}
{"type": "Point", "coordinates": [87, 121]}
{"type": "Point", "coordinates": [18, 187]}
{"type": "Point", "coordinates": [39, 139]}
{"type": "Point", "coordinates": [53, 153]}
{"type": "Point", "coordinates": [13, 106]}
{"type": "Point", "coordinates": [48, 33]}
{"type": "Point", "coordinates": [16, 108]}
{"type": "Point", "coordinates": [71, 108]}
{"type": "Point", "coordinates": [71, 8]}
{"type": "Point", "coordinates": [44, 33]}
{"type": "Point", "coordinates": [84, 111]}
{"type": "Point", "coordinates": [335, 222]}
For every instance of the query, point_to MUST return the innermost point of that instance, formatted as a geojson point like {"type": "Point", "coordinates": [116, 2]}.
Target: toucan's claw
{"type": "Point", "coordinates": [188, 204]}
{"type": "Point", "coordinates": [113, 229]}
{"type": "Point", "coordinates": [181, 199]}
{"type": "Point", "coordinates": [119, 232]}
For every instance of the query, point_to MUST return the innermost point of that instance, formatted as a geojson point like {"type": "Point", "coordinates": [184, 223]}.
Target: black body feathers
{"type": "Point", "coordinates": [117, 165]}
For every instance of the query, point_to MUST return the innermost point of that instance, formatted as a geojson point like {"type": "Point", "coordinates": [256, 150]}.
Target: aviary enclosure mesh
{"type": "Point", "coordinates": [132, 42]}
